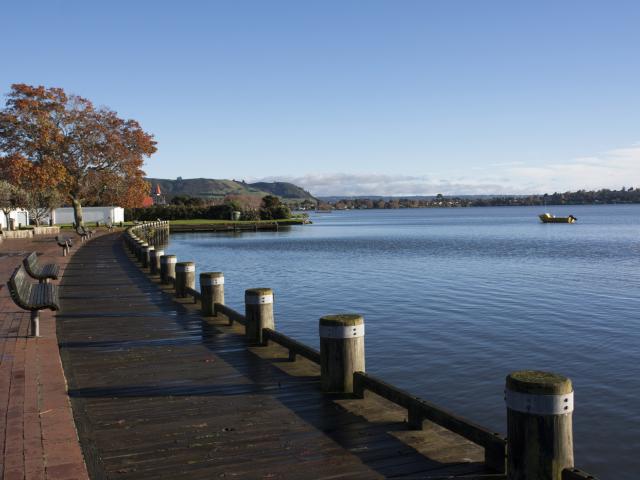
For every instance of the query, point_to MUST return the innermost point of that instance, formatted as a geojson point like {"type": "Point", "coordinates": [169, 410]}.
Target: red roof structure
{"type": "Point", "coordinates": [158, 192]}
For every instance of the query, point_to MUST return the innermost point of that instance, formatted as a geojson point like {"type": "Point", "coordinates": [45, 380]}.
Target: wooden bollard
{"type": "Point", "coordinates": [146, 255]}
{"type": "Point", "coordinates": [154, 261]}
{"type": "Point", "coordinates": [185, 277]}
{"type": "Point", "coordinates": [259, 313]}
{"type": "Point", "coordinates": [167, 268]}
{"type": "Point", "coordinates": [539, 425]}
{"type": "Point", "coordinates": [140, 250]}
{"type": "Point", "coordinates": [211, 291]}
{"type": "Point", "coordinates": [341, 351]}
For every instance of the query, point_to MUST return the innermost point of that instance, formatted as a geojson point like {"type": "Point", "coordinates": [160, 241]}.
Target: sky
{"type": "Point", "coordinates": [354, 97]}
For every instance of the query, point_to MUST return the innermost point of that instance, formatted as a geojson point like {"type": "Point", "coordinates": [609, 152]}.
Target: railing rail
{"type": "Point", "coordinates": [231, 314]}
{"type": "Point", "coordinates": [576, 474]}
{"type": "Point", "coordinates": [194, 293]}
{"type": "Point", "coordinates": [419, 410]}
{"type": "Point", "coordinates": [294, 347]}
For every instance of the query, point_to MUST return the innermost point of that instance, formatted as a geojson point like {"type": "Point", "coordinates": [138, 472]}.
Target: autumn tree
{"type": "Point", "coordinates": [83, 152]}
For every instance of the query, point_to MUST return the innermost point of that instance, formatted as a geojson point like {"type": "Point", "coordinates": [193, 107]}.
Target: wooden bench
{"type": "Point", "coordinates": [84, 232]}
{"type": "Point", "coordinates": [32, 296]}
{"type": "Point", "coordinates": [65, 243]}
{"type": "Point", "coordinates": [41, 273]}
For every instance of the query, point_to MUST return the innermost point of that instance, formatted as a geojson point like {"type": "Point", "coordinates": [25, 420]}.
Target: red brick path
{"type": "Point", "coordinates": [38, 438]}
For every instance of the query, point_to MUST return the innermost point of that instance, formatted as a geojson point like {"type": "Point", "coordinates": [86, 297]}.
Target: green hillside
{"type": "Point", "coordinates": [214, 189]}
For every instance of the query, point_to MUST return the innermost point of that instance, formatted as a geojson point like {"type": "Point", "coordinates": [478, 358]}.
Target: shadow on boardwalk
{"type": "Point", "coordinates": [157, 391]}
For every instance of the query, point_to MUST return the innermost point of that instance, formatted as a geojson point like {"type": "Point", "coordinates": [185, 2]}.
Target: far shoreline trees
{"type": "Point", "coordinates": [58, 147]}
{"type": "Point", "coordinates": [580, 197]}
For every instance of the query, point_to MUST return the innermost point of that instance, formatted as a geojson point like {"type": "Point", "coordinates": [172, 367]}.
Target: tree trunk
{"type": "Point", "coordinates": [77, 212]}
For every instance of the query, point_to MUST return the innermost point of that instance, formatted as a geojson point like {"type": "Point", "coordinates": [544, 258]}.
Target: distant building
{"type": "Point", "coordinates": [20, 216]}
{"type": "Point", "coordinates": [156, 198]}
{"type": "Point", "coordinates": [89, 214]}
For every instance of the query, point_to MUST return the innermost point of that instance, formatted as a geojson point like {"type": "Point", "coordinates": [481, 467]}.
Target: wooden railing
{"type": "Point", "coordinates": [418, 409]}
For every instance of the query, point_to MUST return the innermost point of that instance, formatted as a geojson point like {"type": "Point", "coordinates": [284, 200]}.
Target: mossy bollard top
{"type": "Point", "coordinates": [259, 313]}
{"type": "Point", "coordinates": [341, 351]}
{"type": "Point", "coordinates": [211, 291]}
{"type": "Point", "coordinates": [539, 425]}
{"type": "Point", "coordinates": [538, 382]}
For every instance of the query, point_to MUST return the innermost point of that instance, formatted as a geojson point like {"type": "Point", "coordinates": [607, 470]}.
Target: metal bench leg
{"type": "Point", "coordinates": [35, 323]}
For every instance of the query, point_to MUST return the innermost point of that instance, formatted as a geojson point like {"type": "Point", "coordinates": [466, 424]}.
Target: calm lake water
{"type": "Point", "coordinates": [454, 299]}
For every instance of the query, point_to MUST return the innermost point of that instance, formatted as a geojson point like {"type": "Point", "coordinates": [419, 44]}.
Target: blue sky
{"type": "Point", "coordinates": [355, 97]}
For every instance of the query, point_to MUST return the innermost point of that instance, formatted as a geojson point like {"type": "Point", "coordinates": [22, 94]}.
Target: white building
{"type": "Point", "coordinates": [89, 214]}
{"type": "Point", "coordinates": [20, 216]}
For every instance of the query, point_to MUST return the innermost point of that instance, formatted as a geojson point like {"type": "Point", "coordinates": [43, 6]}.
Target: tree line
{"type": "Point", "coordinates": [579, 197]}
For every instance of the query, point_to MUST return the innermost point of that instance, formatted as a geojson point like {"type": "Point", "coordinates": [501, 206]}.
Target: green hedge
{"type": "Point", "coordinates": [178, 212]}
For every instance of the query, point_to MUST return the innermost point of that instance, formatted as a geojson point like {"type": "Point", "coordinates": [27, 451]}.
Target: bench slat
{"type": "Point", "coordinates": [40, 272]}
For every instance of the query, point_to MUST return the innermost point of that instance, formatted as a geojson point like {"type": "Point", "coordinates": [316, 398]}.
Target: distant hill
{"type": "Point", "coordinates": [216, 189]}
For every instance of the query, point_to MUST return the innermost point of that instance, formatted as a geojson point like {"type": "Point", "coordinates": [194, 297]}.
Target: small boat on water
{"type": "Point", "coordinates": [548, 218]}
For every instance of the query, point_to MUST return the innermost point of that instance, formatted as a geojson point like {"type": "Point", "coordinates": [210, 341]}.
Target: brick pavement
{"type": "Point", "coordinates": [38, 438]}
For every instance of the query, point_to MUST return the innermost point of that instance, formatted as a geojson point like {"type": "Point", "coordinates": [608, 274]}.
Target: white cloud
{"type": "Point", "coordinates": [351, 184]}
{"type": "Point", "coordinates": [612, 169]}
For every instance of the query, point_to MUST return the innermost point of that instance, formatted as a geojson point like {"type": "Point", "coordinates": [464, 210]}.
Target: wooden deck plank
{"type": "Point", "coordinates": [159, 392]}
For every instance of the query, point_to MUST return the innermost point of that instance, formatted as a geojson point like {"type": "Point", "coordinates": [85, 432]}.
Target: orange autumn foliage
{"type": "Point", "coordinates": [51, 140]}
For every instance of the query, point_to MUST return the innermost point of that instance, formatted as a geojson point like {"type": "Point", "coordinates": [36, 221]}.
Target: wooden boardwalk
{"type": "Point", "coordinates": [157, 392]}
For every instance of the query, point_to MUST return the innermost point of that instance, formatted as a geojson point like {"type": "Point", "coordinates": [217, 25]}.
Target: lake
{"type": "Point", "coordinates": [455, 299]}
